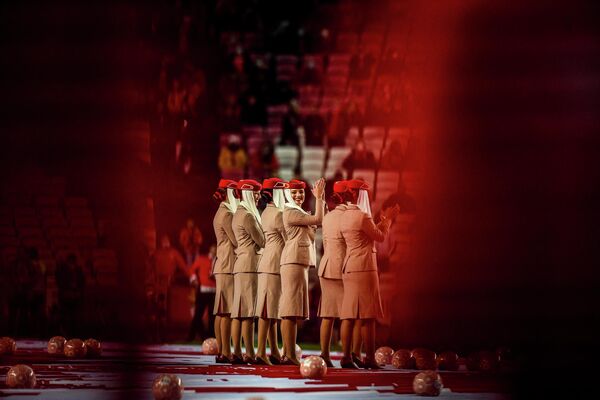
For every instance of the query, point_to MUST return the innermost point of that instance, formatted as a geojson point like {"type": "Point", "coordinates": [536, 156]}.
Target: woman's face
{"type": "Point", "coordinates": [297, 196]}
{"type": "Point", "coordinates": [256, 194]}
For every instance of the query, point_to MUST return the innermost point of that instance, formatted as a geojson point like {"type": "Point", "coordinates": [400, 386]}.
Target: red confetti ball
{"type": "Point", "coordinates": [313, 367]}
{"type": "Point", "coordinates": [209, 346]}
{"type": "Point", "coordinates": [424, 358]}
{"type": "Point", "coordinates": [427, 383]}
{"type": "Point", "coordinates": [20, 376]}
{"type": "Point", "coordinates": [448, 361]}
{"type": "Point", "coordinates": [7, 345]}
{"type": "Point", "coordinates": [167, 387]}
{"type": "Point", "coordinates": [75, 348]}
{"type": "Point", "coordinates": [94, 348]}
{"type": "Point", "coordinates": [403, 359]}
{"type": "Point", "coordinates": [56, 345]}
{"type": "Point", "coordinates": [383, 355]}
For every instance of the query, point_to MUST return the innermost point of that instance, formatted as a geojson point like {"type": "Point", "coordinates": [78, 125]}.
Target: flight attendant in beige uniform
{"type": "Point", "coordinates": [330, 269]}
{"type": "Point", "coordinates": [248, 232]}
{"type": "Point", "coordinates": [298, 254]}
{"type": "Point", "coordinates": [223, 268]}
{"type": "Point", "coordinates": [269, 280]}
{"type": "Point", "coordinates": [361, 282]}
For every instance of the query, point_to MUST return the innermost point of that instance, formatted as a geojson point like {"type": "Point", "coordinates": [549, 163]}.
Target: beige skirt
{"type": "Point", "coordinates": [223, 294]}
{"type": "Point", "coordinates": [361, 296]}
{"type": "Point", "coordinates": [332, 295]}
{"type": "Point", "coordinates": [268, 295]}
{"type": "Point", "coordinates": [294, 291]}
{"type": "Point", "coordinates": [244, 294]}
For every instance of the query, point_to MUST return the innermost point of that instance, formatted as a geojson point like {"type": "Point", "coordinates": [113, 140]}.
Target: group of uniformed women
{"type": "Point", "coordinates": [262, 265]}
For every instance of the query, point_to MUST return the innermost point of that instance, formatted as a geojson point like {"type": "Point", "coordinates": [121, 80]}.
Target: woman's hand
{"type": "Point", "coordinates": [318, 189]}
{"type": "Point", "coordinates": [391, 213]}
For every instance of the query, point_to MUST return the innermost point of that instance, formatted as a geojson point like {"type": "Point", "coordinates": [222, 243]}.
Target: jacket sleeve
{"type": "Point", "coordinates": [296, 217]}
{"type": "Point", "coordinates": [228, 228]}
{"type": "Point", "coordinates": [375, 232]}
{"type": "Point", "coordinates": [281, 227]}
{"type": "Point", "coordinates": [254, 230]}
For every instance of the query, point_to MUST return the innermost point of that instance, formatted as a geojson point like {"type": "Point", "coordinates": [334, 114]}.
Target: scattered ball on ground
{"type": "Point", "coordinates": [488, 361]}
{"type": "Point", "coordinates": [383, 355]}
{"type": "Point", "coordinates": [424, 358]}
{"type": "Point", "coordinates": [75, 348]}
{"type": "Point", "coordinates": [448, 361]}
{"type": "Point", "coordinates": [403, 359]}
{"type": "Point", "coordinates": [94, 348]}
{"type": "Point", "coordinates": [20, 376]}
{"type": "Point", "coordinates": [313, 367]}
{"type": "Point", "coordinates": [56, 345]}
{"type": "Point", "coordinates": [7, 345]}
{"type": "Point", "coordinates": [167, 387]}
{"type": "Point", "coordinates": [427, 383]}
{"type": "Point", "coordinates": [209, 346]}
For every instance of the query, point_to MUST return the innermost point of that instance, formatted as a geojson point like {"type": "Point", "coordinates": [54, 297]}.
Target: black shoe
{"type": "Point", "coordinates": [371, 364]}
{"type": "Point", "coordinates": [263, 361]}
{"type": "Point", "coordinates": [235, 359]}
{"type": "Point", "coordinates": [356, 359]}
{"type": "Point", "coordinates": [249, 360]}
{"type": "Point", "coordinates": [274, 360]}
{"type": "Point", "coordinates": [222, 359]}
{"type": "Point", "coordinates": [289, 361]}
{"type": "Point", "coordinates": [327, 361]}
{"type": "Point", "coordinates": [346, 362]}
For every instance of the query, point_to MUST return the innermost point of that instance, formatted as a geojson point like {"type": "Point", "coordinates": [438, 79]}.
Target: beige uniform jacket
{"type": "Point", "coordinates": [359, 232]}
{"type": "Point", "coordinates": [272, 225]}
{"type": "Point", "coordinates": [333, 244]}
{"type": "Point", "coordinates": [250, 240]}
{"type": "Point", "coordinates": [226, 242]}
{"type": "Point", "coordinates": [300, 230]}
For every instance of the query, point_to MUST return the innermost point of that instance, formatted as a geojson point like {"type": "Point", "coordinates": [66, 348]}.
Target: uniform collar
{"type": "Point", "coordinates": [342, 207]}
{"type": "Point", "coordinates": [352, 207]}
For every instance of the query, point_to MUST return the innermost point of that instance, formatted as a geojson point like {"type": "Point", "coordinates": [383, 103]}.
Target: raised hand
{"type": "Point", "coordinates": [318, 189]}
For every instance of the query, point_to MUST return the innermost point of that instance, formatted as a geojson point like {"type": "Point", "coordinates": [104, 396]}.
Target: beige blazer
{"type": "Point", "coordinates": [272, 225]}
{"type": "Point", "coordinates": [250, 240]}
{"type": "Point", "coordinates": [334, 245]}
{"type": "Point", "coordinates": [226, 242]}
{"type": "Point", "coordinates": [359, 232]}
{"type": "Point", "coordinates": [300, 230]}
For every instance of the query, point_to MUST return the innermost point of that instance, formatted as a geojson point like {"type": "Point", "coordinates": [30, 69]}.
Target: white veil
{"type": "Point", "coordinates": [249, 204]}
{"type": "Point", "coordinates": [279, 198]}
{"type": "Point", "coordinates": [363, 202]}
{"type": "Point", "coordinates": [231, 203]}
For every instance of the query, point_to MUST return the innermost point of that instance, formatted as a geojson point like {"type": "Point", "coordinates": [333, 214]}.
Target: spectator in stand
{"type": "Point", "coordinates": [26, 287]}
{"type": "Point", "coordinates": [70, 281]}
{"type": "Point", "coordinates": [361, 64]}
{"type": "Point", "coordinates": [232, 159]}
{"type": "Point", "coordinates": [253, 109]}
{"type": "Point", "coordinates": [190, 239]}
{"type": "Point", "coordinates": [393, 158]}
{"type": "Point", "coordinates": [314, 128]}
{"type": "Point", "coordinates": [265, 162]}
{"type": "Point", "coordinates": [203, 280]}
{"type": "Point", "coordinates": [348, 114]}
{"type": "Point", "coordinates": [359, 158]}
{"type": "Point", "coordinates": [230, 112]}
{"type": "Point", "coordinates": [290, 125]}
{"type": "Point", "coordinates": [176, 102]}
{"type": "Point", "coordinates": [310, 74]}
{"type": "Point", "coordinates": [392, 63]}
